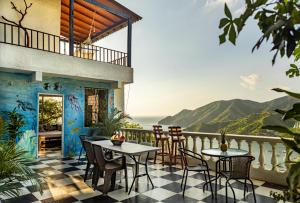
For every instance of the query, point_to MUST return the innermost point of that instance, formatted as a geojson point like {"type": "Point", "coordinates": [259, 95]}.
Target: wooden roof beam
{"type": "Point", "coordinates": [88, 7]}
{"type": "Point", "coordinates": [82, 15]}
{"type": "Point", "coordinates": [85, 19]}
{"type": "Point", "coordinates": [109, 9]}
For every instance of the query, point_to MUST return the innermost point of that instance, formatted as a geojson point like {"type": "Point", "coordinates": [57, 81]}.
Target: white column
{"type": "Point", "coordinates": [119, 97]}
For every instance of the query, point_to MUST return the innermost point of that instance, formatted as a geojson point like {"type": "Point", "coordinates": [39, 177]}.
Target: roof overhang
{"type": "Point", "coordinates": [109, 16]}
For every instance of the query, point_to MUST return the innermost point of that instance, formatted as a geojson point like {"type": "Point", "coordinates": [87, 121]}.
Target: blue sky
{"type": "Point", "coordinates": [179, 64]}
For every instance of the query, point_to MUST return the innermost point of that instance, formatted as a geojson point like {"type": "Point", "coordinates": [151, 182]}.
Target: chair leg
{"type": "Point", "coordinates": [226, 191]}
{"type": "Point", "coordinates": [95, 179]}
{"type": "Point", "coordinates": [156, 144]}
{"type": "Point", "coordinates": [186, 176]}
{"type": "Point", "coordinates": [212, 192]}
{"type": "Point", "coordinates": [181, 158]}
{"type": "Point", "coordinates": [113, 180]}
{"type": "Point", "coordinates": [80, 154]}
{"type": "Point", "coordinates": [234, 199]}
{"type": "Point", "coordinates": [107, 179]}
{"type": "Point", "coordinates": [245, 188]}
{"type": "Point", "coordinates": [126, 179]}
{"type": "Point", "coordinates": [88, 165]}
{"type": "Point", "coordinates": [183, 178]}
{"type": "Point", "coordinates": [253, 190]}
{"type": "Point", "coordinates": [205, 181]}
{"type": "Point", "coordinates": [163, 152]}
{"type": "Point", "coordinates": [175, 156]}
{"type": "Point", "coordinates": [170, 154]}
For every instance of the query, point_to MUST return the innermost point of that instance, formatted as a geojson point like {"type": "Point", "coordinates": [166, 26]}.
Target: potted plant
{"type": "Point", "coordinates": [111, 123]}
{"type": "Point", "coordinates": [223, 145]}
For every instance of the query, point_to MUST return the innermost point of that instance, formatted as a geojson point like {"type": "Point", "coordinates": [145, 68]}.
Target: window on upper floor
{"type": "Point", "coordinates": [96, 103]}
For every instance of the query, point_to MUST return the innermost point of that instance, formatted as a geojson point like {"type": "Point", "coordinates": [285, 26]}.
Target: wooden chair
{"type": "Point", "coordinates": [163, 139]}
{"type": "Point", "coordinates": [109, 167]}
{"type": "Point", "coordinates": [239, 170]}
{"type": "Point", "coordinates": [87, 146]}
{"type": "Point", "coordinates": [177, 142]}
{"type": "Point", "coordinates": [82, 138]}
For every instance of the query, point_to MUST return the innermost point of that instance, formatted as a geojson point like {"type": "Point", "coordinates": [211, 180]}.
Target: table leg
{"type": "Point", "coordinates": [137, 175]}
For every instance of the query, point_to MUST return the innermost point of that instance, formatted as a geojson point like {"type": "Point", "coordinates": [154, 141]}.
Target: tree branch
{"type": "Point", "coordinates": [10, 21]}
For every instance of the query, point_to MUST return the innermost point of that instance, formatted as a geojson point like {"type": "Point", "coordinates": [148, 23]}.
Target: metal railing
{"type": "Point", "coordinates": [34, 39]}
{"type": "Point", "coordinates": [270, 153]}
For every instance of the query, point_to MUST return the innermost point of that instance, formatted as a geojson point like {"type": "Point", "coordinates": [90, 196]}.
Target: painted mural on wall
{"type": "Point", "coordinates": [17, 90]}
{"type": "Point", "coordinates": [28, 142]}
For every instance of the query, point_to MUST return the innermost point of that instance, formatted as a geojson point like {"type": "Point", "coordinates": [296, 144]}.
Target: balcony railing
{"type": "Point", "coordinates": [270, 153]}
{"type": "Point", "coordinates": [34, 39]}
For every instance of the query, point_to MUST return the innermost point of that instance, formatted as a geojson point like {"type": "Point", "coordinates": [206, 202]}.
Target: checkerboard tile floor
{"type": "Point", "coordinates": [63, 183]}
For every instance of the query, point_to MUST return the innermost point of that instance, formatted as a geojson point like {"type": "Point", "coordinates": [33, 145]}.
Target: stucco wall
{"type": "Point", "coordinates": [43, 15]}
{"type": "Point", "coordinates": [17, 90]}
{"type": "Point", "coordinates": [25, 59]}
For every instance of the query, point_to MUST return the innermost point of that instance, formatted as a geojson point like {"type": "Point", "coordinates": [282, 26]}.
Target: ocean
{"type": "Point", "coordinates": [148, 121]}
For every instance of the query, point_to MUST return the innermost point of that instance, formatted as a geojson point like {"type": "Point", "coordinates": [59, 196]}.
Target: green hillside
{"type": "Point", "coordinates": [237, 116]}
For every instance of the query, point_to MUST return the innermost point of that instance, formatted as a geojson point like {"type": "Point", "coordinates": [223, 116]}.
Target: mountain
{"type": "Point", "coordinates": [237, 116]}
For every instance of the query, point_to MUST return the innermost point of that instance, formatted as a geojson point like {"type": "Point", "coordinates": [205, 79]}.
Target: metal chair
{"type": "Point", "coordinates": [239, 169]}
{"type": "Point", "coordinates": [109, 167]}
{"type": "Point", "coordinates": [164, 141]}
{"type": "Point", "coordinates": [177, 142]}
{"type": "Point", "coordinates": [200, 167]}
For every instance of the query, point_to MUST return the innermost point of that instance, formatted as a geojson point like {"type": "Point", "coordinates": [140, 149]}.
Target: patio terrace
{"type": "Point", "coordinates": [63, 182]}
{"type": "Point", "coordinates": [63, 177]}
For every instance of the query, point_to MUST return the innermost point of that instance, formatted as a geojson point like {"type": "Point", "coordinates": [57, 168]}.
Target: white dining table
{"type": "Point", "coordinates": [132, 150]}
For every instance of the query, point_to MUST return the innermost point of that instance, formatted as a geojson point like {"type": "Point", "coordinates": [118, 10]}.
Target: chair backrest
{"type": "Point", "coordinates": [157, 131]}
{"type": "Point", "coordinates": [175, 132]}
{"type": "Point", "coordinates": [100, 157]}
{"type": "Point", "coordinates": [185, 154]}
{"type": "Point", "coordinates": [239, 166]}
{"type": "Point", "coordinates": [89, 151]}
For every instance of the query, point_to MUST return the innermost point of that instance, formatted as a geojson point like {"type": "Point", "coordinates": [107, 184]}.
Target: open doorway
{"type": "Point", "coordinates": [50, 125]}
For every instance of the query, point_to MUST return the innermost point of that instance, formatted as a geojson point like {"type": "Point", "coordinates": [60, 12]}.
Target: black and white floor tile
{"type": "Point", "coordinates": [63, 183]}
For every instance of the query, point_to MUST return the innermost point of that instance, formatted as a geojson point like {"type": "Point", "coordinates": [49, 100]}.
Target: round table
{"type": "Point", "coordinates": [217, 152]}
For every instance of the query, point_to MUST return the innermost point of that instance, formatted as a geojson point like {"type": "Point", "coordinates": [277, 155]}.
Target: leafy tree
{"type": "Point", "coordinates": [278, 20]}
{"type": "Point", "coordinates": [52, 111]}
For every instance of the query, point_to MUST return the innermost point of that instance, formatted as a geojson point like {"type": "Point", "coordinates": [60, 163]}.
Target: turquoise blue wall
{"type": "Point", "coordinates": [17, 90]}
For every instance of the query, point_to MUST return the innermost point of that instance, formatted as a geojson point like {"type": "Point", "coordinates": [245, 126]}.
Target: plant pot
{"type": "Point", "coordinates": [223, 147]}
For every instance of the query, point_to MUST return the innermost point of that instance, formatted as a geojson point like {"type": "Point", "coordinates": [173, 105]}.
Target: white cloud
{"type": "Point", "coordinates": [215, 3]}
{"type": "Point", "coordinates": [249, 81]}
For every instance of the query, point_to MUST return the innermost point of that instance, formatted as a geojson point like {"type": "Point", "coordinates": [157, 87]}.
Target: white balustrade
{"type": "Point", "coordinates": [274, 175]}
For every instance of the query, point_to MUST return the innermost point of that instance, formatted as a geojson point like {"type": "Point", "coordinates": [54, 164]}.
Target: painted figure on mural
{"type": "Point", "coordinates": [74, 102]}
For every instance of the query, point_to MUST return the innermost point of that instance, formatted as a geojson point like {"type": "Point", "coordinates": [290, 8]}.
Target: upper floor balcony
{"type": "Point", "coordinates": [77, 26]}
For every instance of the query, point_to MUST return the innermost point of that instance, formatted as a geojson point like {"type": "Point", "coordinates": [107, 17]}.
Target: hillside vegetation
{"type": "Point", "coordinates": [237, 116]}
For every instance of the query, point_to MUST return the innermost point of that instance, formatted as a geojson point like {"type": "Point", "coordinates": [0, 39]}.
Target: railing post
{"type": "Point", "coordinates": [194, 145]}
{"type": "Point", "coordinates": [129, 39]}
{"type": "Point", "coordinates": [250, 147]}
{"type": "Point", "coordinates": [261, 157]}
{"type": "Point", "coordinates": [71, 28]}
{"type": "Point", "coordinates": [273, 158]}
